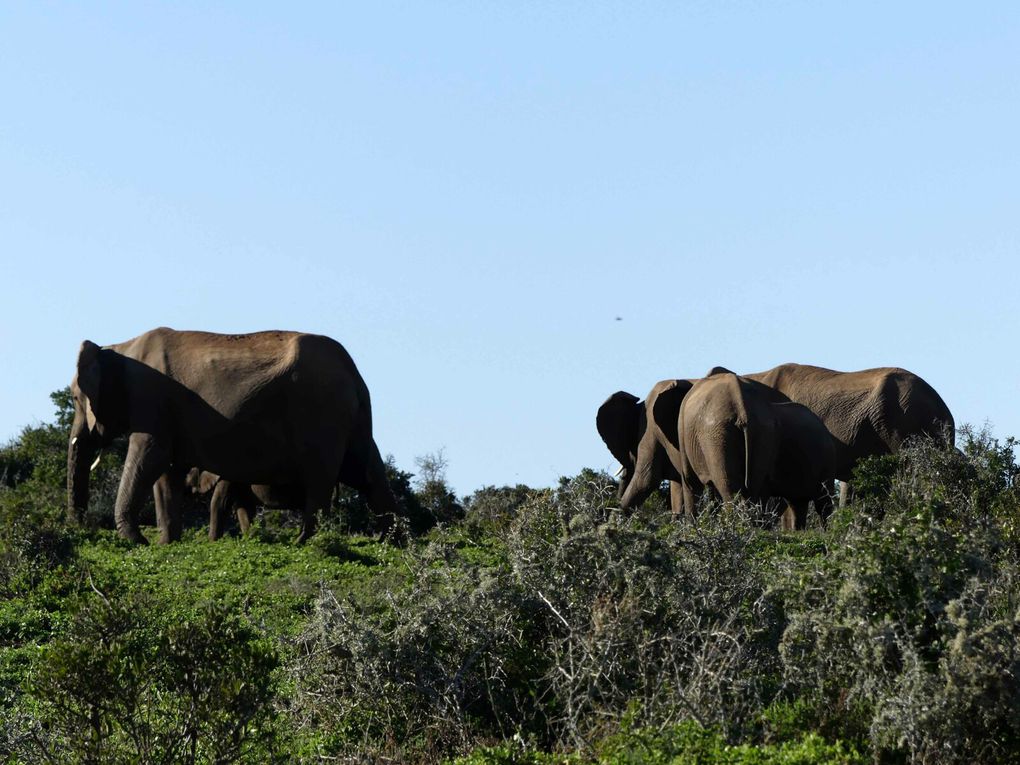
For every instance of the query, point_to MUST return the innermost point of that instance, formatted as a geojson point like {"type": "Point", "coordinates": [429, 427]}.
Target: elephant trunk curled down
{"type": "Point", "coordinates": [642, 436]}
{"type": "Point", "coordinates": [273, 408]}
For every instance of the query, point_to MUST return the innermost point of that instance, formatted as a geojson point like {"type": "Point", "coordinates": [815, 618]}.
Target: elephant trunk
{"type": "Point", "coordinates": [81, 450]}
{"type": "Point", "coordinates": [623, 482]}
{"type": "Point", "coordinates": [380, 498]}
{"type": "Point", "coordinates": [647, 476]}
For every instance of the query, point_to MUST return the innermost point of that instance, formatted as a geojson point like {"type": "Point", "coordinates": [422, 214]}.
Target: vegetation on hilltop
{"type": "Point", "coordinates": [528, 626]}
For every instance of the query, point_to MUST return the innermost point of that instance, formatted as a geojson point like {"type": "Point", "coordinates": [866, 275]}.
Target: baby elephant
{"type": "Point", "coordinates": [742, 438]}
{"type": "Point", "coordinates": [241, 497]}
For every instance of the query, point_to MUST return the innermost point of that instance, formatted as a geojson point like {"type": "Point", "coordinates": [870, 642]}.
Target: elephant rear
{"type": "Point", "coordinates": [728, 436]}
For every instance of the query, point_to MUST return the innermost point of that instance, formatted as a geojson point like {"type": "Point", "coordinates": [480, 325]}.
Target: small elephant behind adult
{"type": "Point", "coordinates": [741, 438]}
{"type": "Point", "coordinates": [242, 498]}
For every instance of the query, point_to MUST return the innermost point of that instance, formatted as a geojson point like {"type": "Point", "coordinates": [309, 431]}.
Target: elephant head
{"type": "Point", "coordinates": [99, 417]}
{"type": "Point", "coordinates": [620, 421]}
{"type": "Point", "coordinates": [642, 436]}
{"type": "Point", "coordinates": [201, 481]}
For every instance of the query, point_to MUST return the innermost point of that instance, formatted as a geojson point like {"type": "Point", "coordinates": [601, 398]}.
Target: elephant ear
{"type": "Point", "coordinates": [669, 395]}
{"type": "Point", "coordinates": [200, 481]}
{"type": "Point", "coordinates": [618, 422]}
{"type": "Point", "coordinates": [719, 371]}
{"type": "Point", "coordinates": [89, 376]}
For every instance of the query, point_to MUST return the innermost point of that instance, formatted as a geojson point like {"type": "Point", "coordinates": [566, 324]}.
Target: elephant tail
{"type": "Point", "coordinates": [747, 458]}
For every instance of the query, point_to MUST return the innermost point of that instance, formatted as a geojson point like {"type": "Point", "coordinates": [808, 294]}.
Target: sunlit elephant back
{"type": "Point", "coordinates": [869, 412]}
{"type": "Point", "coordinates": [276, 408]}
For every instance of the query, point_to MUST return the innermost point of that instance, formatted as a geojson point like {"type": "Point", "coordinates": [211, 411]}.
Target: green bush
{"type": "Point", "coordinates": [911, 621]}
{"type": "Point", "coordinates": [422, 669]}
{"type": "Point", "coordinates": [135, 681]}
{"type": "Point", "coordinates": [658, 620]}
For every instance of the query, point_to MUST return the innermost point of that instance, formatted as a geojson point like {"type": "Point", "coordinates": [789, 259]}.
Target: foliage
{"type": "Point", "coordinates": [491, 510]}
{"type": "Point", "coordinates": [430, 665]}
{"type": "Point", "coordinates": [686, 743]}
{"type": "Point", "coordinates": [131, 683]}
{"type": "Point", "coordinates": [524, 626]}
{"type": "Point", "coordinates": [433, 491]}
{"type": "Point", "coordinates": [911, 622]}
{"type": "Point", "coordinates": [350, 507]}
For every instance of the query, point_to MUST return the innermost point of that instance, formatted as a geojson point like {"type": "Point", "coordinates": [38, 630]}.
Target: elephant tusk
{"type": "Point", "coordinates": [74, 440]}
{"type": "Point", "coordinates": [619, 472]}
{"type": "Point", "coordinates": [95, 464]}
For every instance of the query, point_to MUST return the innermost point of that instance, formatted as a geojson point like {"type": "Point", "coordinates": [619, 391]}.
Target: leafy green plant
{"type": "Point", "coordinates": [133, 681]}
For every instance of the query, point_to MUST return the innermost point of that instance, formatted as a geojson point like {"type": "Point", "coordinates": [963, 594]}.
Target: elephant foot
{"type": "Point", "coordinates": [132, 535]}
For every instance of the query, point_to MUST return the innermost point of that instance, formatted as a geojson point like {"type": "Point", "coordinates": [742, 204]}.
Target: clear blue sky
{"type": "Point", "coordinates": [468, 194]}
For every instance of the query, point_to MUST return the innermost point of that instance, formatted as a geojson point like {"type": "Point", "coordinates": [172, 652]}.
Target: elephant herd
{"type": "Point", "coordinates": [280, 418]}
{"type": "Point", "coordinates": [782, 434]}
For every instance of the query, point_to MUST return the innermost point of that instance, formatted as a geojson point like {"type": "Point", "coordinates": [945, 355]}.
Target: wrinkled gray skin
{"type": "Point", "coordinates": [868, 412]}
{"type": "Point", "coordinates": [242, 499]}
{"type": "Point", "coordinates": [740, 439]}
{"type": "Point", "coordinates": [274, 408]}
{"type": "Point", "coordinates": [642, 436]}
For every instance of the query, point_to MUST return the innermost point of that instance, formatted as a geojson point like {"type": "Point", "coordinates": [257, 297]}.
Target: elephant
{"type": "Point", "coordinates": [642, 436]}
{"type": "Point", "coordinates": [243, 499]}
{"type": "Point", "coordinates": [274, 408]}
{"type": "Point", "coordinates": [870, 412]}
{"type": "Point", "coordinates": [740, 439]}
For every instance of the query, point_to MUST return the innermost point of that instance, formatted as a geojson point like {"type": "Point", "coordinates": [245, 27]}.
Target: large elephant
{"type": "Point", "coordinates": [740, 439]}
{"type": "Point", "coordinates": [642, 436]}
{"type": "Point", "coordinates": [275, 408]}
{"type": "Point", "coordinates": [869, 412]}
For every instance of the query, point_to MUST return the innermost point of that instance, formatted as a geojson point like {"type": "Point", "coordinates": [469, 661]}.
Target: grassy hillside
{"type": "Point", "coordinates": [530, 626]}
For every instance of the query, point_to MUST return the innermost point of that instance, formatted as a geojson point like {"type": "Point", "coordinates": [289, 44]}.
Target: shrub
{"type": "Point", "coordinates": [421, 671]}
{"type": "Point", "coordinates": [911, 622]}
{"type": "Point", "coordinates": [353, 512]}
{"type": "Point", "coordinates": [133, 681]}
{"type": "Point", "coordinates": [662, 623]}
{"type": "Point", "coordinates": [491, 509]}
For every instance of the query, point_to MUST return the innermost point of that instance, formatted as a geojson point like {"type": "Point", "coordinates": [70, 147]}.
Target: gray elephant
{"type": "Point", "coordinates": [741, 439]}
{"type": "Point", "coordinates": [275, 408]}
{"type": "Point", "coordinates": [869, 412]}
{"type": "Point", "coordinates": [241, 498]}
{"type": "Point", "coordinates": [642, 436]}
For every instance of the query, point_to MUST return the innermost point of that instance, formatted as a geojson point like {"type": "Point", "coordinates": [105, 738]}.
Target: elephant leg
{"type": "Point", "coordinates": [161, 498]}
{"type": "Point", "coordinates": [243, 519]}
{"type": "Point", "coordinates": [315, 500]}
{"type": "Point", "coordinates": [788, 520]}
{"type": "Point", "coordinates": [218, 509]}
{"type": "Point", "coordinates": [363, 469]}
{"type": "Point", "coordinates": [845, 494]}
{"type": "Point", "coordinates": [692, 490]}
{"type": "Point", "coordinates": [378, 494]}
{"type": "Point", "coordinates": [167, 493]}
{"type": "Point", "coordinates": [245, 503]}
{"type": "Point", "coordinates": [799, 509]}
{"type": "Point", "coordinates": [676, 498]}
{"type": "Point", "coordinates": [146, 462]}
